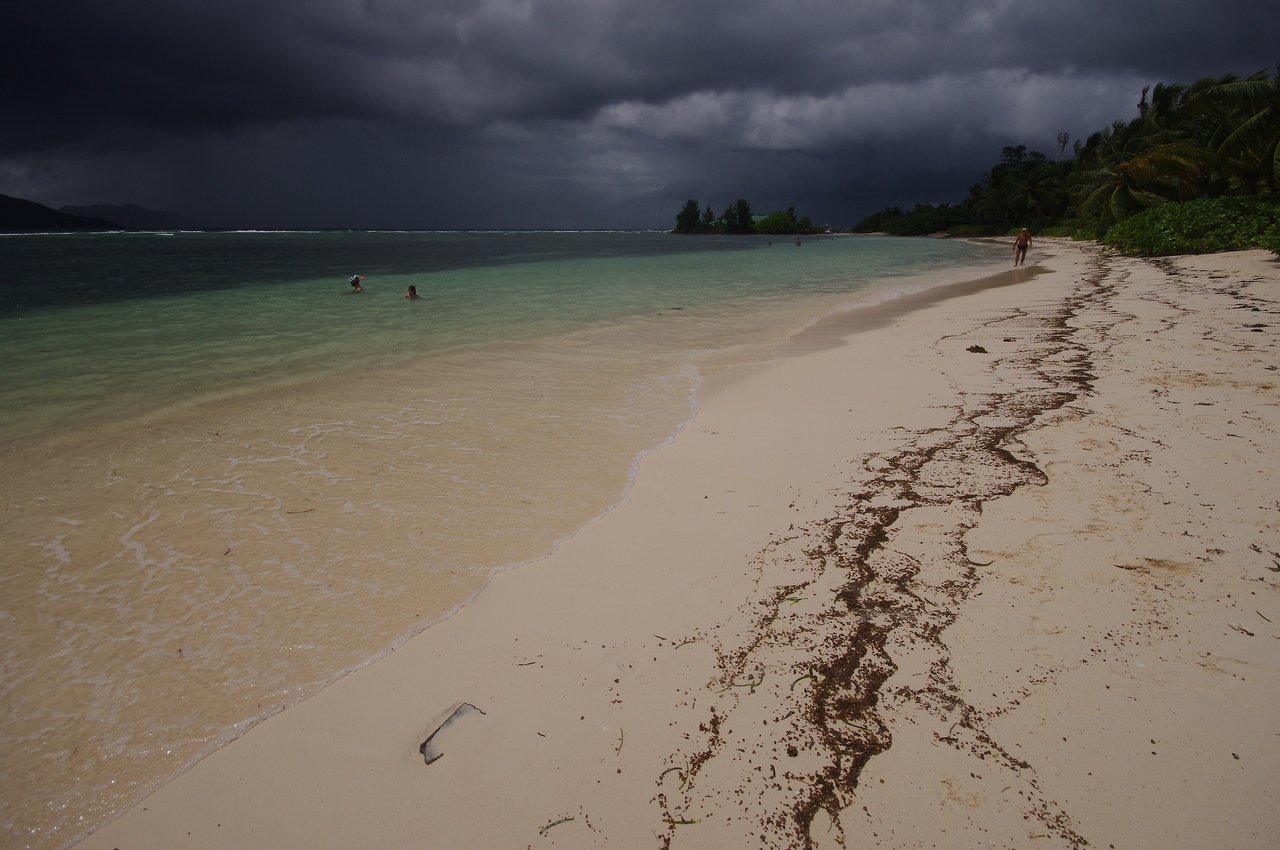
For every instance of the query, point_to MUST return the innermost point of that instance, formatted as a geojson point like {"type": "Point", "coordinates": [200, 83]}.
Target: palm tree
{"type": "Point", "coordinates": [1116, 179]}
{"type": "Point", "coordinates": [1176, 141]}
{"type": "Point", "coordinates": [1247, 112]}
{"type": "Point", "coordinates": [1025, 186]}
{"type": "Point", "coordinates": [1163, 155]}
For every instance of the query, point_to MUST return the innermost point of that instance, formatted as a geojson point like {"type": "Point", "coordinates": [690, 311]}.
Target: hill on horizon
{"type": "Point", "coordinates": [17, 214]}
{"type": "Point", "coordinates": [136, 217]}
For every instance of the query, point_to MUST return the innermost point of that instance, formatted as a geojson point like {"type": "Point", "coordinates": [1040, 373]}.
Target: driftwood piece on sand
{"type": "Point", "coordinates": [431, 752]}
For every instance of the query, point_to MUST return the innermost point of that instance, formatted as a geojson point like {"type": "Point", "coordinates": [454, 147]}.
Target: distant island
{"type": "Point", "coordinates": [135, 217]}
{"type": "Point", "coordinates": [17, 214]}
{"type": "Point", "coordinates": [738, 218]}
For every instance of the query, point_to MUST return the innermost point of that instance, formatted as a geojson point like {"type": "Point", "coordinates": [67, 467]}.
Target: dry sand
{"type": "Point", "coordinates": [884, 591]}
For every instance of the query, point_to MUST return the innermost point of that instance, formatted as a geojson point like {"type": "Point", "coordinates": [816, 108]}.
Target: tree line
{"type": "Point", "coordinates": [738, 218]}
{"type": "Point", "coordinates": [1218, 137]}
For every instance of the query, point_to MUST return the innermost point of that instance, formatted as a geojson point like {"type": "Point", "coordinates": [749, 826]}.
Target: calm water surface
{"type": "Point", "coordinates": [227, 480]}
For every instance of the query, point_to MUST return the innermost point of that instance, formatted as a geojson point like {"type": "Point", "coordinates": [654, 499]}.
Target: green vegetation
{"type": "Point", "coordinates": [1200, 226]}
{"type": "Point", "coordinates": [922, 220]}
{"type": "Point", "coordinates": [1270, 239]}
{"type": "Point", "coordinates": [689, 218]}
{"type": "Point", "coordinates": [1212, 146]}
{"type": "Point", "coordinates": [738, 218]}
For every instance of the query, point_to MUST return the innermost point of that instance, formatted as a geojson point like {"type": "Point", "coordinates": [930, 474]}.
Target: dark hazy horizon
{"type": "Point", "coordinates": [570, 113]}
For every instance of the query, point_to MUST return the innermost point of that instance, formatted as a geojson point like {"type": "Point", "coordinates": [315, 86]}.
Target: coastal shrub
{"type": "Point", "coordinates": [974, 230]}
{"type": "Point", "coordinates": [923, 220]}
{"type": "Point", "coordinates": [878, 222]}
{"type": "Point", "coordinates": [1092, 230]}
{"type": "Point", "coordinates": [1271, 239]}
{"type": "Point", "coordinates": [1202, 226]}
{"type": "Point", "coordinates": [775, 223]}
{"type": "Point", "coordinates": [779, 223]}
{"type": "Point", "coordinates": [1043, 228]}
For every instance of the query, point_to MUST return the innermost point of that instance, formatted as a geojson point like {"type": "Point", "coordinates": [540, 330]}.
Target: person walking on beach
{"type": "Point", "coordinates": [412, 294]}
{"type": "Point", "coordinates": [354, 280]}
{"type": "Point", "coordinates": [1020, 246]}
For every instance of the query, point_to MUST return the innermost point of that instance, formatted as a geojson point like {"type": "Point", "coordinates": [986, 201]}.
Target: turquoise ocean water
{"type": "Point", "coordinates": [228, 480]}
{"type": "Point", "coordinates": [95, 326]}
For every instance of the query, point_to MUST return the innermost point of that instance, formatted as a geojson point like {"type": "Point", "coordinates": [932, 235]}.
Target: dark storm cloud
{"type": "Point", "coordinates": [569, 112]}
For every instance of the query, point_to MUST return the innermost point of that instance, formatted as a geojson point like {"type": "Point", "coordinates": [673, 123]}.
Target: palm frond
{"type": "Point", "coordinates": [1149, 199]}
{"type": "Point", "coordinates": [1260, 129]}
{"type": "Point", "coordinates": [1095, 201]}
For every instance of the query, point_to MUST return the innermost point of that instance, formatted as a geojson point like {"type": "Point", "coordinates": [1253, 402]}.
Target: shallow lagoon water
{"type": "Point", "coordinates": [228, 480]}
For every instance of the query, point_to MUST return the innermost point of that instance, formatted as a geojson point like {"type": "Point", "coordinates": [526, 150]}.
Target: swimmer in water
{"type": "Point", "coordinates": [412, 294]}
{"type": "Point", "coordinates": [354, 280]}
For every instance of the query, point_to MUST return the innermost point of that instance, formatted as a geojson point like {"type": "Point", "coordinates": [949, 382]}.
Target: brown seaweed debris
{"type": "Point", "coordinates": [827, 706]}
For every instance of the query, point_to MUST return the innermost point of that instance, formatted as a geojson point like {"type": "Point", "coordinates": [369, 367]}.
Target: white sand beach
{"type": "Point", "coordinates": [994, 566]}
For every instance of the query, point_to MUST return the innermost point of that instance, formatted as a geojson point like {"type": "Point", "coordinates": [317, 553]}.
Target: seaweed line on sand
{"type": "Point", "coordinates": [806, 733]}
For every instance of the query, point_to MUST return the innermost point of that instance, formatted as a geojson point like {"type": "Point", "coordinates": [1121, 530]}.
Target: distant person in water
{"type": "Point", "coordinates": [797, 241]}
{"type": "Point", "coordinates": [412, 294]}
{"type": "Point", "coordinates": [354, 280]}
{"type": "Point", "coordinates": [1020, 246]}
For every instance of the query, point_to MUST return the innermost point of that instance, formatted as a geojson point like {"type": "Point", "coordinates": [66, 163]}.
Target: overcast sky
{"type": "Point", "coordinates": [571, 113]}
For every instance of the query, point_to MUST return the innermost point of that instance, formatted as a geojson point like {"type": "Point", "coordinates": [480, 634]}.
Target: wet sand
{"type": "Point", "coordinates": [998, 570]}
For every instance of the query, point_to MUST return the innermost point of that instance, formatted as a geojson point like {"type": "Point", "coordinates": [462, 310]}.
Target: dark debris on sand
{"type": "Point", "coordinates": [821, 722]}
